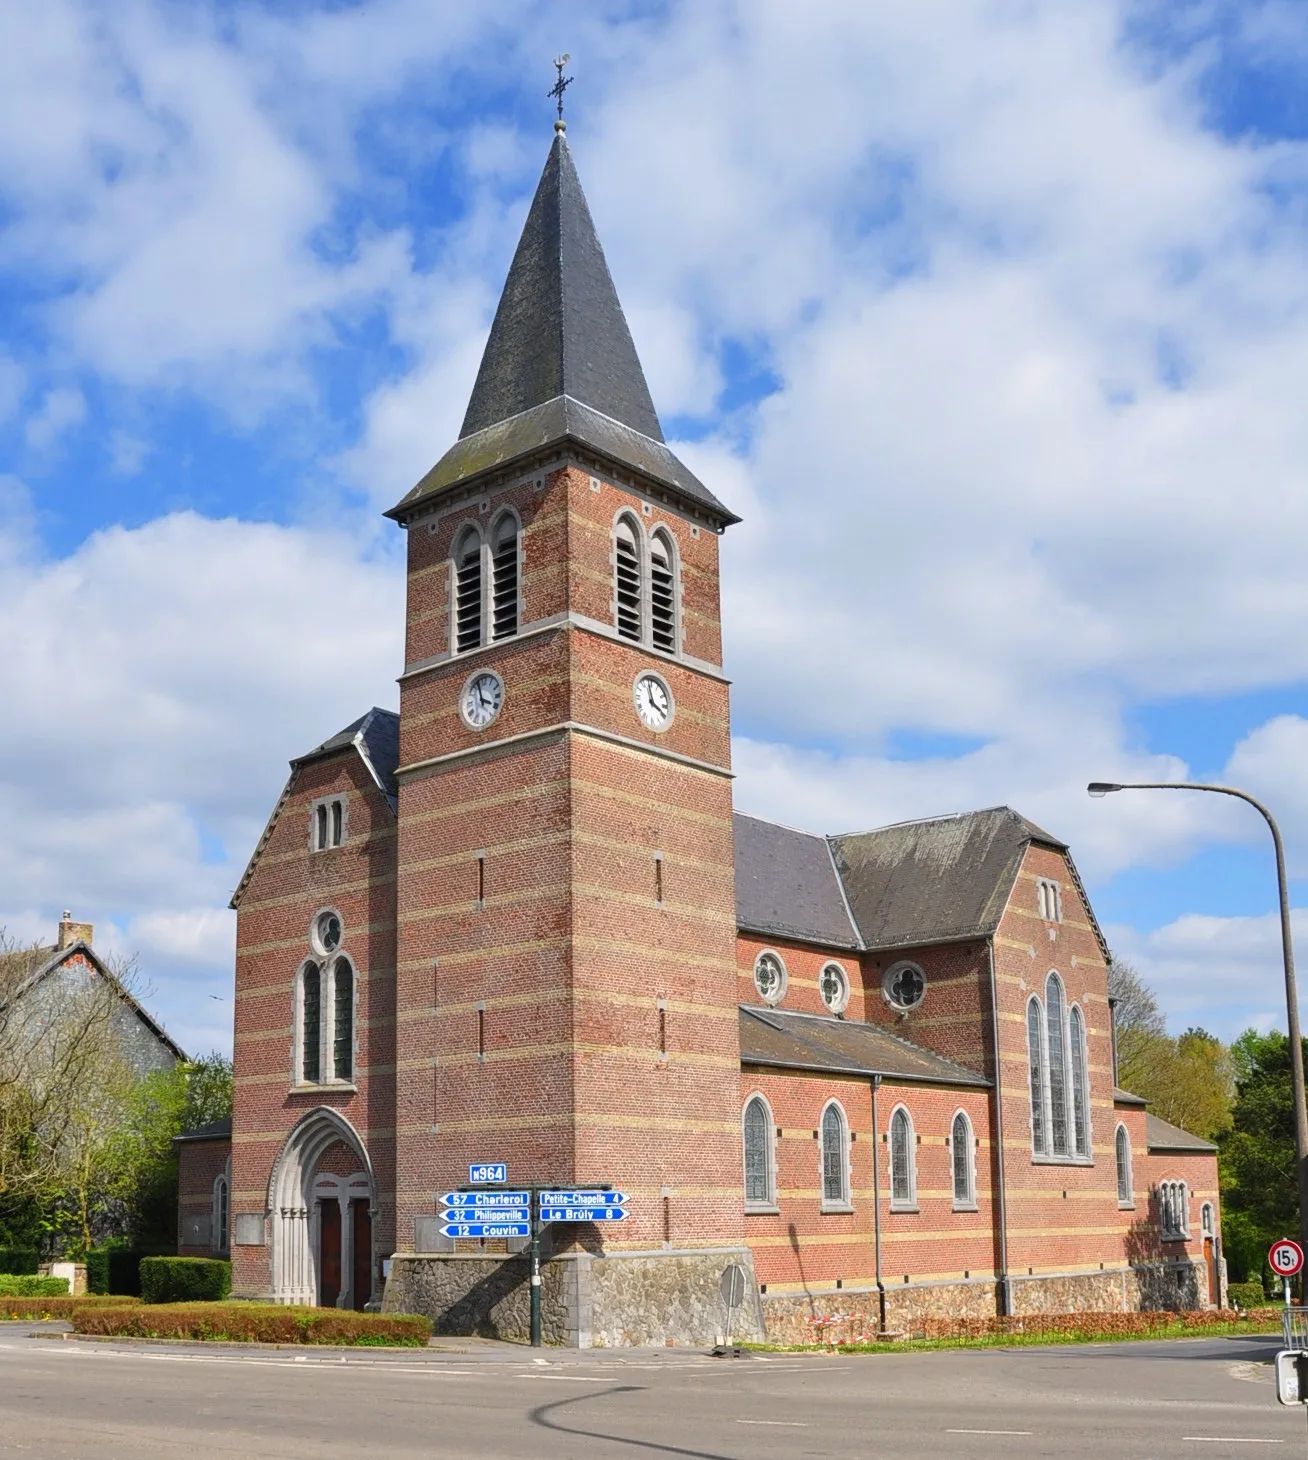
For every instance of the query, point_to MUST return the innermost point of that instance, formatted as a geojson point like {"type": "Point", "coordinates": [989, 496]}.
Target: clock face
{"type": "Point", "coordinates": [653, 702]}
{"type": "Point", "coordinates": [482, 697]}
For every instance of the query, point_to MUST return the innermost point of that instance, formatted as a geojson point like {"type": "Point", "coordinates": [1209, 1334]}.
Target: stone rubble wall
{"type": "Point", "coordinates": [616, 1300]}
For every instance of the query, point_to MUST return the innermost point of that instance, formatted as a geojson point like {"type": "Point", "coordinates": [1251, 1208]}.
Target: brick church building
{"type": "Point", "coordinates": [519, 921]}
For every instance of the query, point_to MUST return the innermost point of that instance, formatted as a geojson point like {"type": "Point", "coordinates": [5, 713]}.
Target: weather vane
{"type": "Point", "coordinates": [559, 87]}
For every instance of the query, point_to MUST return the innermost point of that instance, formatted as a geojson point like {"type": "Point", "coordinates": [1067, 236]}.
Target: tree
{"type": "Point", "coordinates": [1257, 1160]}
{"type": "Point", "coordinates": [1189, 1080]}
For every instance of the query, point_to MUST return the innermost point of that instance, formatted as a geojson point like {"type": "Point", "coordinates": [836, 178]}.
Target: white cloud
{"type": "Point", "coordinates": [156, 683]}
{"type": "Point", "coordinates": [59, 410]}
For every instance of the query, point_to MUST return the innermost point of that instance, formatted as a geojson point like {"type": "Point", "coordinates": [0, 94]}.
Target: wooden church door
{"type": "Point", "coordinates": [362, 1234]}
{"type": "Point", "coordinates": [329, 1253]}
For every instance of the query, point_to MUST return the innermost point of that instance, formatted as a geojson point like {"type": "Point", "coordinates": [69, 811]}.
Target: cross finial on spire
{"type": "Point", "coordinates": [559, 87]}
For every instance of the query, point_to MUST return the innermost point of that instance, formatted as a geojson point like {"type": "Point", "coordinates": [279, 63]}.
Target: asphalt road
{"type": "Point", "coordinates": [63, 1399]}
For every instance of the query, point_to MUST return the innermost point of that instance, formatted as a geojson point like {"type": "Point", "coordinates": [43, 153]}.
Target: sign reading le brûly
{"type": "Point", "coordinates": [583, 1206]}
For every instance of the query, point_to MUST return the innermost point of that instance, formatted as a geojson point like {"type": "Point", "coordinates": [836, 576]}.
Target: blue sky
{"type": "Point", "coordinates": [990, 320]}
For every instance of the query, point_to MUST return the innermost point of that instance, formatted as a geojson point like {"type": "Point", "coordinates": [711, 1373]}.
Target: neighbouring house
{"type": "Point", "coordinates": [520, 922]}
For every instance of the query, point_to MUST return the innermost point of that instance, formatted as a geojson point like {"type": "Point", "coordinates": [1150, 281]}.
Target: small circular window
{"type": "Point", "coordinates": [327, 932]}
{"type": "Point", "coordinates": [904, 986]}
{"type": "Point", "coordinates": [834, 988]}
{"type": "Point", "coordinates": [770, 977]}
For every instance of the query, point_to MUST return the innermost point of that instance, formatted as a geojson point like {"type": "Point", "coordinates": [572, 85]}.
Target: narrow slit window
{"type": "Point", "coordinates": [338, 823]}
{"type": "Point", "coordinates": [343, 1023]}
{"type": "Point", "coordinates": [663, 1029]}
{"type": "Point", "coordinates": [628, 582]}
{"type": "Point", "coordinates": [658, 880]}
{"type": "Point", "coordinates": [662, 586]}
{"type": "Point", "coordinates": [310, 1017]}
{"type": "Point", "coordinates": [467, 592]}
{"type": "Point", "coordinates": [481, 879]}
{"type": "Point", "coordinates": [481, 1031]}
{"type": "Point", "coordinates": [320, 829]}
{"type": "Point", "coordinates": [504, 573]}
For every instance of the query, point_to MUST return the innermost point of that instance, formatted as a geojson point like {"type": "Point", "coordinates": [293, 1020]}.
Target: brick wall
{"type": "Point", "coordinates": [199, 1164]}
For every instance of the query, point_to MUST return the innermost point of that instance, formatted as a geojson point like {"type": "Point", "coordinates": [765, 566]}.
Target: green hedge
{"type": "Point", "coordinates": [54, 1307]}
{"type": "Point", "coordinates": [1246, 1295]}
{"type": "Point", "coordinates": [115, 1270]}
{"type": "Point", "coordinates": [18, 1261]}
{"type": "Point", "coordinates": [254, 1323]}
{"type": "Point", "coordinates": [185, 1279]}
{"type": "Point", "coordinates": [28, 1286]}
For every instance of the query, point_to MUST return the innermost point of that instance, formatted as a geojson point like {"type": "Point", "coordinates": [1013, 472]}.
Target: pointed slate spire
{"type": "Point", "coordinates": [559, 329]}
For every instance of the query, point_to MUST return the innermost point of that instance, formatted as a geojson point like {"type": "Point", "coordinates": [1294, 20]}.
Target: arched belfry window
{"type": "Point", "coordinates": [663, 592]}
{"type": "Point", "coordinates": [342, 1020]}
{"type": "Point", "coordinates": [504, 576]}
{"type": "Point", "coordinates": [467, 590]}
{"type": "Point", "coordinates": [760, 1158]}
{"type": "Point", "coordinates": [310, 1071]}
{"type": "Point", "coordinates": [627, 577]}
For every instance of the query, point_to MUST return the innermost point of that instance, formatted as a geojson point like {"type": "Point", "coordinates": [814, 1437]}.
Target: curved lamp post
{"type": "Point", "coordinates": [1103, 788]}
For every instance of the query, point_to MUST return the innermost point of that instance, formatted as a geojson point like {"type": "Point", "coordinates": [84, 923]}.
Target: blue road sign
{"type": "Point", "coordinates": [486, 1229]}
{"type": "Point", "coordinates": [486, 1199]}
{"type": "Point", "coordinates": [488, 1171]}
{"type": "Point", "coordinates": [583, 1214]}
{"type": "Point", "coordinates": [583, 1198]}
{"type": "Point", "coordinates": [495, 1215]}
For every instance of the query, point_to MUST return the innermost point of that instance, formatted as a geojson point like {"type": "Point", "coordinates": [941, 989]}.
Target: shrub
{"type": "Point", "coordinates": [33, 1287]}
{"type": "Point", "coordinates": [253, 1323]}
{"type": "Point", "coordinates": [18, 1261]}
{"type": "Point", "coordinates": [1246, 1295]}
{"type": "Point", "coordinates": [185, 1279]}
{"type": "Point", "coordinates": [114, 1270]}
{"type": "Point", "coordinates": [54, 1307]}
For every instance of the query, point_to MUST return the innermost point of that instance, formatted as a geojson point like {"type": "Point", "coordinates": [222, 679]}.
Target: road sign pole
{"type": "Point", "coordinates": [535, 1268]}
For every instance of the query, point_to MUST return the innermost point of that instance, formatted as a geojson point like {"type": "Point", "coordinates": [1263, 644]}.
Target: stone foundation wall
{"type": "Point", "coordinates": [849, 1315]}
{"type": "Point", "coordinates": [609, 1301]}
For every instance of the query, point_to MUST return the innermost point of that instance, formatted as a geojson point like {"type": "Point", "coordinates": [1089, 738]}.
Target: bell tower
{"type": "Point", "coordinates": [566, 995]}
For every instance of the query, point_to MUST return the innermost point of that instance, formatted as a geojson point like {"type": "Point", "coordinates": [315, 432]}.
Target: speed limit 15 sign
{"type": "Point", "coordinates": [1285, 1258]}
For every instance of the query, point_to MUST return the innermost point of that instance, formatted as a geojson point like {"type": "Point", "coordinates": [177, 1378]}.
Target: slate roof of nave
{"type": "Point", "coordinates": [376, 736]}
{"type": "Point", "coordinates": [781, 1039]}
{"type": "Point", "coordinates": [1162, 1135]}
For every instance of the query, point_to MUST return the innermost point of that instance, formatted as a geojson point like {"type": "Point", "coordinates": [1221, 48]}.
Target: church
{"type": "Point", "coordinates": [520, 921]}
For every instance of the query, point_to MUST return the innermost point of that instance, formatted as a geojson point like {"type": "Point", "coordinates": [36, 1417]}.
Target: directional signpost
{"type": "Point", "coordinates": [481, 1213]}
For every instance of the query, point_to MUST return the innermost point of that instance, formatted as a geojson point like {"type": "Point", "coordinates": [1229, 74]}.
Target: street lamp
{"type": "Point", "coordinates": [1103, 788]}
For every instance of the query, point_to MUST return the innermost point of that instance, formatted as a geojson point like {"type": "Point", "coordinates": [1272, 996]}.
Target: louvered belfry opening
{"type": "Point", "coordinates": [467, 564]}
{"type": "Point", "coordinates": [628, 582]}
{"type": "Point", "coordinates": [504, 574]}
{"type": "Point", "coordinates": [663, 625]}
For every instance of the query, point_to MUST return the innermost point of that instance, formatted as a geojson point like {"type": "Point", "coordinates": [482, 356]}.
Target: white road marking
{"type": "Point", "coordinates": [1230, 1440]}
{"type": "Point", "coordinates": [793, 1424]}
{"type": "Point", "coordinates": [989, 1432]}
{"type": "Point", "coordinates": [570, 1378]}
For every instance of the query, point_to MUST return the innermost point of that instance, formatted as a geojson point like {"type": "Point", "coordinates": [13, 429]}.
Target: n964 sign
{"type": "Point", "coordinates": [485, 1171]}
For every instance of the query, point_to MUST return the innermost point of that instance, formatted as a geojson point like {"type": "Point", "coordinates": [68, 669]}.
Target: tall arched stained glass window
{"type": "Point", "coordinates": [310, 1024]}
{"type": "Point", "coordinates": [835, 1157]}
{"type": "Point", "coordinates": [962, 1152]}
{"type": "Point", "coordinates": [758, 1153]}
{"type": "Point", "coordinates": [1035, 1059]}
{"type": "Point", "coordinates": [343, 1020]}
{"type": "Point", "coordinates": [1080, 1095]}
{"type": "Point", "coordinates": [1055, 1012]}
{"type": "Point", "coordinates": [1125, 1186]}
{"type": "Point", "coordinates": [903, 1163]}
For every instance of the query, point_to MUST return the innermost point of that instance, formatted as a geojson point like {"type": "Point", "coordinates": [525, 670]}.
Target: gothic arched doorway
{"type": "Point", "coordinates": [322, 1214]}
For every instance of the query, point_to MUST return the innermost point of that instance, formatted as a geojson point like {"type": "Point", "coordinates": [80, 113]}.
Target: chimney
{"type": "Point", "coordinates": [71, 932]}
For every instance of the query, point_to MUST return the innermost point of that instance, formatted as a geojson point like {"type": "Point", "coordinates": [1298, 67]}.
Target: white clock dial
{"type": "Point", "coordinates": [653, 702]}
{"type": "Point", "coordinates": [482, 697]}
